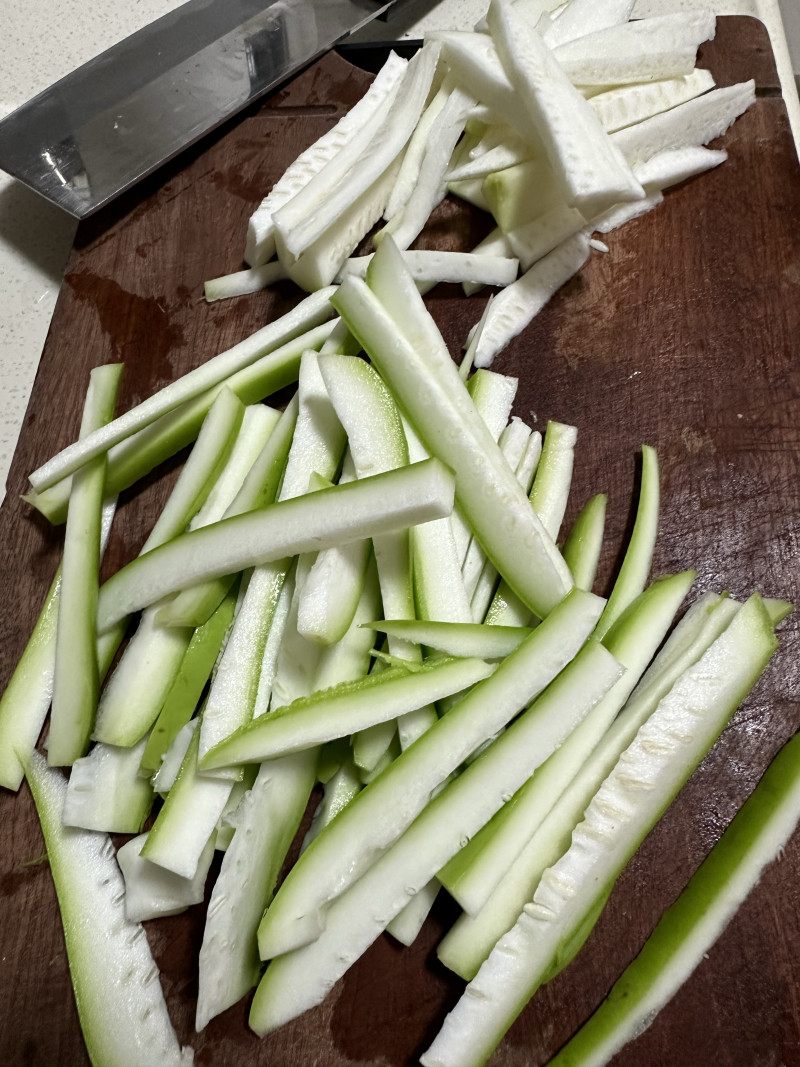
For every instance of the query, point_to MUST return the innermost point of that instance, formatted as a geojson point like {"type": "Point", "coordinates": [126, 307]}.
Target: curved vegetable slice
{"type": "Point", "coordinates": [120, 1003]}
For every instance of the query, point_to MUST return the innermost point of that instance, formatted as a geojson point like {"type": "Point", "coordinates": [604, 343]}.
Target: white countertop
{"type": "Point", "coordinates": [44, 40]}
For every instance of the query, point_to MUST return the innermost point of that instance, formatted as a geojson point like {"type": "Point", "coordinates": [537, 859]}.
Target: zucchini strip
{"type": "Point", "coordinates": [120, 1003]}
{"type": "Point", "coordinates": [343, 513]}
{"type": "Point", "coordinates": [76, 678]}
{"type": "Point", "coordinates": [310, 312]}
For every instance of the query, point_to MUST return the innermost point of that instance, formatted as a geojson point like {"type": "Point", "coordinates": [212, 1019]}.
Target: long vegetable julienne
{"type": "Point", "coordinates": [76, 679]}
{"type": "Point", "coordinates": [310, 312]}
{"type": "Point", "coordinates": [120, 1003]}
{"type": "Point", "coordinates": [343, 513]}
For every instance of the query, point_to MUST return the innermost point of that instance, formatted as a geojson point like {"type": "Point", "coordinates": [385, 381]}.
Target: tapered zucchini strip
{"type": "Point", "coordinates": [76, 679]}
{"type": "Point", "coordinates": [120, 1003]}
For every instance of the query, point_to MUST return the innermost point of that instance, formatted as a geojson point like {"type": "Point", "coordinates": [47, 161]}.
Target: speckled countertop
{"type": "Point", "coordinates": [44, 40]}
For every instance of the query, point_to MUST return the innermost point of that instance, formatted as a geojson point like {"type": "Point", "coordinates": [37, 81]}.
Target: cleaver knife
{"type": "Point", "coordinates": [98, 131]}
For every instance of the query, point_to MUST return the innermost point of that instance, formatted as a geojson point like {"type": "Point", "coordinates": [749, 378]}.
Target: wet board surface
{"type": "Point", "coordinates": [683, 335]}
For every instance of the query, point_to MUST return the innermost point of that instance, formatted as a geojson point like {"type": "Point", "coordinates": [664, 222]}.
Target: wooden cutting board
{"type": "Point", "coordinates": [685, 335]}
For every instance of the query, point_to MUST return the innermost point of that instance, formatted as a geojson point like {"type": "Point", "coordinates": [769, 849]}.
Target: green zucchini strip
{"type": "Point", "coordinates": [343, 513]}
{"type": "Point", "coordinates": [76, 679]}
{"type": "Point", "coordinates": [688, 929]}
{"type": "Point", "coordinates": [310, 312]}
{"type": "Point", "coordinates": [120, 1003]}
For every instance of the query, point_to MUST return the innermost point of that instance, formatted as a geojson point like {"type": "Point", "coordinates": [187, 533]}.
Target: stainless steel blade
{"type": "Point", "coordinates": [116, 119]}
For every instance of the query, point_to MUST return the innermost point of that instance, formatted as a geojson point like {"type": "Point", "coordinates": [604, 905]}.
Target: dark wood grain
{"type": "Point", "coordinates": [684, 335]}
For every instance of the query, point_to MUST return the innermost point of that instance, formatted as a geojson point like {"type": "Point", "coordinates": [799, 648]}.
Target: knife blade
{"type": "Point", "coordinates": [116, 119]}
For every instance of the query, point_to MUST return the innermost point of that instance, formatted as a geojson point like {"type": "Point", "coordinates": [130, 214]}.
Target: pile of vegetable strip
{"type": "Point", "coordinates": [365, 592]}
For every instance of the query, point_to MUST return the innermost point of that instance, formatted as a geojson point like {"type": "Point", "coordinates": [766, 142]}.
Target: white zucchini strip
{"type": "Point", "coordinates": [344, 710]}
{"type": "Point", "coordinates": [472, 876]}
{"type": "Point", "coordinates": [432, 267]}
{"type": "Point", "coordinates": [106, 791]}
{"type": "Point", "coordinates": [648, 49]}
{"type": "Point", "coordinates": [243, 282]}
{"type": "Point", "coordinates": [695, 122]}
{"type": "Point", "coordinates": [260, 245]}
{"type": "Point", "coordinates": [194, 606]}
{"type": "Point", "coordinates": [591, 170]}
{"type": "Point", "coordinates": [374, 819]}
{"type": "Point", "coordinates": [164, 778]}
{"type": "Point", "coordinates": [527, 558]}
{"type": "Point", "coordinates": [142, 452]}
{"type": "Point", "coordinates": [406, 925]}
{"type": "Point", "coordinates": [553, 479]}
{"type": "Point", "coordinates": [152, 892]}
{"type": "Point", "coordinates": [76, 676]}
{"type": "Point", "coordinates": [516, 306]}
{"type": "Point", "coordinates": [646, 779]}
{"type": "Point", "coordinates": [494, 244]}
{"type": "Point", "coordinates": [266, 823]}
{"type": "Point", "coordinates": [199, 474]}
{"type": "Point", "coordinates": [120, 1003]}
{"type": "Point", "coordinates": [632, 576]}
{"type": "Point", "coordinates": [330, 595]}
{"type": "Point", "coordinates": [580, 17]}
{"type": "Point", "coordinates": [585, 541]}
{"type": "Point", "coordinates": [191, 811]}
{"type": "Point", "coordinates": [343, 513]}
{"type": "Point", "coordinates": [629, 104]}
{"type": "Point", "coordinates": [431, 187]}
{"type": "Point", "coordinates": [471, 939]}
{"type": "Point", "coordinates": [319, 264]}
{"type": "Point", "coordinates": [408, 174]}
{"type": "Point", "coordinates": [127, 710]}
{"type": "Point", "coordinates": [473, 59]}
{"type": "Point", "coordinates": [357, 917]}
{"type": "Point", "coordinates": [360, 163]}
{"type": "Point", "coordinates": [688, 929]}
{"type": "Point", "coordinates": [310, 312]}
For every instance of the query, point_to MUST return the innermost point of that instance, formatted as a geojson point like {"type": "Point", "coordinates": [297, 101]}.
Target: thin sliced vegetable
{"type": "Point", "coordinates": [312, 311]}
{"type": "Point", "coordinates": [120, 1003]}
{"type": "Point", "coordinates": [76, 678]}
{"type": "Point", "coordinates": [343, 513]}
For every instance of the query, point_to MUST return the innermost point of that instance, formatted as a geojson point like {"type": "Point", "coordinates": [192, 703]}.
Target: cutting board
{"type": "Point", "coordinates": [684, 335]}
